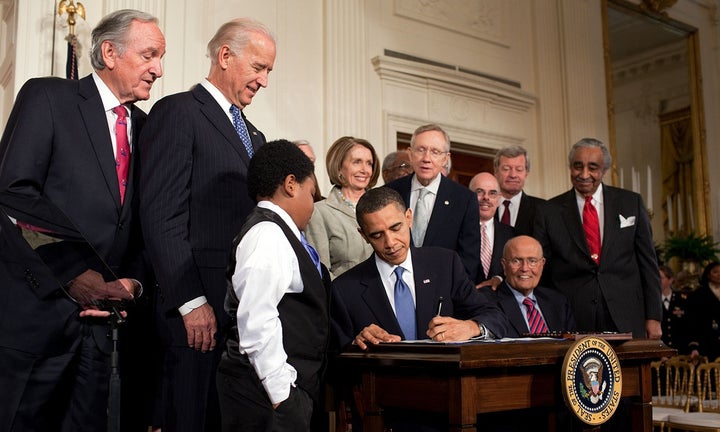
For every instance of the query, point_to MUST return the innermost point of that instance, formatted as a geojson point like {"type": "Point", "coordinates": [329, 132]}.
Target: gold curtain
{"type": "Point", "coordinates": [677, 171]}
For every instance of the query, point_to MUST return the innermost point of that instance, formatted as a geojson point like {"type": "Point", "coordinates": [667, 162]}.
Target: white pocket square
{"type": "Point", "coordinates": [627, 222]}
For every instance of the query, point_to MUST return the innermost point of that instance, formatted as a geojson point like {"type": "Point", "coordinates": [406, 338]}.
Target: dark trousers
{"type": "Point", "coordinates": [188, 396]}
{"type": "Point", "coordinates": [64, 392]}
{"type": "Point", "coordinates": [246, 406]}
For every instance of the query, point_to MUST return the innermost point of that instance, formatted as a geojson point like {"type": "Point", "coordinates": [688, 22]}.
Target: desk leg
{"type": "Point", "coordinates": [372, 418]}
{"type": "Point", "coordinates": [641, 407]}
{"type": "Point", "coordinates": [462, 412]}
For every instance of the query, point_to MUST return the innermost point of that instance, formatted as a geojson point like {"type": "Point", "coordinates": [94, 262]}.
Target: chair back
{"type": "Point", "coordinates": [675, 384]}
{"type": "Point", "coordinates": [708, 384]}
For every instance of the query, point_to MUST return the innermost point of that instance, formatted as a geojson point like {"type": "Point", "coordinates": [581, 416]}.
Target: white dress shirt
{"type": "Point", "coordinates": [110, 101]}
{"type": "Point", "coordinates": [387, 275]}
{"type": "Point", "coordinates": [514, 207]}
{"type": "Point", "coordinates": [415, 186]}
{"type": "Point", "coordinates": [267, 268]}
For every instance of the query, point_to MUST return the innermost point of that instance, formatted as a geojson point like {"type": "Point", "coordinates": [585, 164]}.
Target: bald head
{"type": "Point", "coordinates": [487, 190]}
{"type": "Point", "coordinates": [523, 263]}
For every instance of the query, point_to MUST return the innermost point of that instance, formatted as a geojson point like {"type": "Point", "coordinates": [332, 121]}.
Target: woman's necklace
{"type": "Point", "coordinates": [345, 200]}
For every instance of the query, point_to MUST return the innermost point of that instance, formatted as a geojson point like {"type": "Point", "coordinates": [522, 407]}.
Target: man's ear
{"type": "Point", "coordinates": [408, 216]}
{"type": "Point", "coordinates": [362, 234]}
{"type": "Point", "coordinates": [223, 57]}
{"type": "Point", "coordinates": [109, 54]}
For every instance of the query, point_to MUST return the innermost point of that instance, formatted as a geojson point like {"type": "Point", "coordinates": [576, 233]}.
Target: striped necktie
{"type": "Point", "coordinates": [536, 323]}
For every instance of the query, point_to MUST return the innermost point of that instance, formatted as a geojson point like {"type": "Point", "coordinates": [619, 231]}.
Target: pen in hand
{"type": "Point", "coordinates": [439, 306]}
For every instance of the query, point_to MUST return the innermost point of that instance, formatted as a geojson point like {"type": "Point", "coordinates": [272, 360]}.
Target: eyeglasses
{"type": "Point", "coordinates": [434, 153]}
{"type": "Point", "coordinates": [491, 194]}
{"type": "Point", "coordinates": [402, 166]}
{"type": "Point", "coordinates": [518, 262]}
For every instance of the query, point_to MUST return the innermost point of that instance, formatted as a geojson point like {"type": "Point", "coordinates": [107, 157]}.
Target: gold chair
{"type": "Point", "coordinates": [674, 380]}
{"type": "Point", "coordinates": [707, 419]}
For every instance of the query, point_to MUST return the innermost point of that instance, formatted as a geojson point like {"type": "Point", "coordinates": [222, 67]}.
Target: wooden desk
{"type": "Point", "coordinates": [464, 380]}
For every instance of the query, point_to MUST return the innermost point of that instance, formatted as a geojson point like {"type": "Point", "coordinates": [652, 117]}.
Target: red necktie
{"type": "Point", "coordinates": [122, 156]}
{"type": "Point", "coordinates": [591, 225]}
{"type": "Point", "coordinates": [536, 323]}
{"type": "Point", "coordinates": [506, 213]}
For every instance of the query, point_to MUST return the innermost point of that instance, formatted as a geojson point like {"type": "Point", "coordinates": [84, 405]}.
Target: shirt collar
{"type": "Point", "coordinates": [283, 215]}
{"type": "Point", "coordinates": [432, 187]}
{"type": "Point", "coordinates": [108, 98]}
{"type": "Point", "coordinates": [597, 197]}
{"type": "Point", "coordinates": [219, 97]}
{"type": "Point", "coordinates": [386, 269]}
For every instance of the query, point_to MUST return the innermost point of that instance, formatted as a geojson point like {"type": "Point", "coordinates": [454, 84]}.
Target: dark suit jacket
{"type": "Point", "coordinates": [193, 200]}
{"type": "Point", "coordinates": [359, 298]}
{"type": "Point", "coordinates": [526, 214]}
{"type": "Point", "coordinates": [554, 306]}
{"type": "Point", "coordinates": [627, 277]}
{"type": "Point", "coordinates": [454, 221]}
{"type": "Point", "coordinates": [503, 233]}
{"type": "Point", "coordinates": [57, 157]}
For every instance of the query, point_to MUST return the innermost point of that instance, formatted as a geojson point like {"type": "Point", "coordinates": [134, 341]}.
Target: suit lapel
{"type": "Point", "coordinates": [93, 115]}
{"type": "Point", "coordinates": [611, 223]}
{"type": "Point", "coordinates": [439, 212]}
{"type": "Point", "coordinates": [426, 293]}
{"type": "Point", "coordinates": [376, 298]}
{"type": "Point", "coordinates": [571, 218]}
{"type": "Point", "coordinates": [211, 110]}
{"type": "Point", "coordinates": [550, 313]}
{"type": "Point", "coordinates": [512, 310]}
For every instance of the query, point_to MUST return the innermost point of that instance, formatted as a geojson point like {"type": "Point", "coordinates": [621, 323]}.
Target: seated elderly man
{"type": "Point", "coordinates": [528, 307]}
{"type": "Point", "coordinates": [404, 292]}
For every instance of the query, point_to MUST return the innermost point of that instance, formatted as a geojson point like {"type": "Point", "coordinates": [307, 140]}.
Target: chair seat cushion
{"type": "Point", "coordinates": [711, 420]}
{"type": "Point", "coordinates": [660, 414]}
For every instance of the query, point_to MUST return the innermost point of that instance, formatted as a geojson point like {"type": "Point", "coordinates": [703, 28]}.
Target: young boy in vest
{"type": "Point", "coordinates": [270, 373]}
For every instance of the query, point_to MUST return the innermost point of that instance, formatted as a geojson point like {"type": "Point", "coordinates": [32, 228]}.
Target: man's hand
{"type": "Point", "coordinates": [374, 334]}
{"type": "Point", "coordinates": [493, 283]}
{"type": "Point", "coordinates": [653, 329]}
{"type": "Point", "coordinates": [447, 329]}
{"type": "Point", "coordinates": [90, 286]}
{"type": "Point", "coordinates": [201, 327]}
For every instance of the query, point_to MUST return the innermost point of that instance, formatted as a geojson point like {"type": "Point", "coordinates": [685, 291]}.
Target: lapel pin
{"type": "Point", "coordinates": [447, 202]}
{"type": "Point", "coordinates": [426, 281]}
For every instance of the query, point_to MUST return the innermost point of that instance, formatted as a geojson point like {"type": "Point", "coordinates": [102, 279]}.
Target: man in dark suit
{"type": "Point", "coordinates": [69, 146]}
{"type": "Point", "coordinates": [599, 249]}
{"type": "Point", "coordinates": [445, 213]}
{"type": "Point", "coordinates": [193, 201]}
{"type": "Point", "coordinates": [523, 262]}
{"type": "Point", "coordinates": [516, 208]}
{"type": "Point", "coordinates": [368, 300]}
{"type": "Point", "coordinates": [486, 188]}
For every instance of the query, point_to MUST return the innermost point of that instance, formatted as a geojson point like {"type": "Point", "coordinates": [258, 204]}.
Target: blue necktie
{"type": "Point", "coordinates": [241, 129]}
{"type": "Point", "coordinates": [404, 306]}
{"type": "Point", "coordinates": [313, 253]}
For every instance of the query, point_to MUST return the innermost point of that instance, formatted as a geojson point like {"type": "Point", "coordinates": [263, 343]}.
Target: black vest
{"type": "Point", "coordinates": [304, 316]}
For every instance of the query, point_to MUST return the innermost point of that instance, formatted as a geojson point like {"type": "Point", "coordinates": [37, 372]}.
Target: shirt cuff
{"type": "Point", "coordinates": [277, 385]}
{"type": "Point", "coordinates": [192, 305]}
{"type": "Point", "coordinates": [499, 277]}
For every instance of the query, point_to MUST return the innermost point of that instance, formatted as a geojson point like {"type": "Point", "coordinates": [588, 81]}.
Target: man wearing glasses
{"type": "Point", "coordinates": [528, 307]}
{"type": "Point", "coordinates": [445, 214]}
{"type": "Point", "coordinates": [493, 234]}
{"type": "Point", "coordinates": [396, 165]}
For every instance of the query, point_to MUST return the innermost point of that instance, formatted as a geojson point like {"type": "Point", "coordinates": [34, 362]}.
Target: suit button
{"type": "Point", "coordinates": [593, 301]}
{"type": "Point", "coordinates": [121, 226]}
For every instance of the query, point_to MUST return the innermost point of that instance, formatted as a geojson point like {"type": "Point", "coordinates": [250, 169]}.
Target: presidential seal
{"type": "Point", "coordinates": [592, 380]}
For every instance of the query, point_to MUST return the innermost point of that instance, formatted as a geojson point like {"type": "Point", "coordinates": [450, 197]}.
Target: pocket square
{"type": "Point", "coordinates": [627, 222]}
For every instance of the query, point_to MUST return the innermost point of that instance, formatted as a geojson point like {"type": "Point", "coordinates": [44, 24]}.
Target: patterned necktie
{"type": "Point", "coordinates": [241, 130]}
{"type": "Point", "coordinates": [122, 155]}
{"type": "Point", "coordinates": [485, 250]}
{"type": "Point", "coordinates": [536, 323]}
{"type": "Point", "coordinates": [506, 213]}
{"type": "Point", "coordinates": [666, 303]}
{"type": "Point", "coordinates": [591, 226]}
{"type": "Point", "coordinates": [404, 306]}
{"type": "Point", "coordinates": [313, 253]}
{"type": "Point", "coordinates": [420, 218]}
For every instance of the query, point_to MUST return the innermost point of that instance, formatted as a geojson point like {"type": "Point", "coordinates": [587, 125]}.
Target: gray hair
{"type": "Point", "coordinates": [114, 27]}
{"type": "Point", "coordinates": [236, 34]}
{"type": "Point", "coordinates": [389, 160]}
{"type": "Point", "coordinates": [591, 143]}
{"type": "Point", "coordinates": [428, 128]}
{"type": "Point", "coordinates": [511, 152]}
